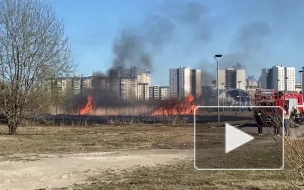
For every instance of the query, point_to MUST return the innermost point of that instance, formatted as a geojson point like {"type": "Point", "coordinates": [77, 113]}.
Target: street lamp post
{"type": "Point", "coordinates": [222, 97]}
{"type": "Point", "coordinates": [239, 82]}
{"type": "Point", "coordinates": [217, 86]}
{"type": "Point", "coordinates": [301, 77]}
{"type": "Point", "coordinates": [300, 73]}
{"type": "Point", "coordinates": [225, 96]}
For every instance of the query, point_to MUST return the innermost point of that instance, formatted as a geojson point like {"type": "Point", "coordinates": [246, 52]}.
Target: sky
{"type": "Point", "coordinates": [161, 34]}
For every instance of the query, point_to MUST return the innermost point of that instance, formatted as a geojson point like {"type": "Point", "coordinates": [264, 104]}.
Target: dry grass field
{"type": "Point", "coordinates": [117, 157]}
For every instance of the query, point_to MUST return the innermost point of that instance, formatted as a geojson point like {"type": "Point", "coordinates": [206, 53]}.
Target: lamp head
{"type": "Point", "coordinates": [218, 55]}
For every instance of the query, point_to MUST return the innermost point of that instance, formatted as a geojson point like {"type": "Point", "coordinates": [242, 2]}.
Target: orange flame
{"type": "Point", "coordinates": [185, 107]}
{"type": "Point", "coordinates": [88, 108]}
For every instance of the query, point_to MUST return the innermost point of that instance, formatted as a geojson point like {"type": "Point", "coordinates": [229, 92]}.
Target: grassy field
{"type": "Point", "coordinates": [66, 139]}
{"type": "Point", "coordinates": [183, 176]}
{"type": "Point", "coordinates": [92, 139]}
{"type": "Point", "coordinates": [180, 175]}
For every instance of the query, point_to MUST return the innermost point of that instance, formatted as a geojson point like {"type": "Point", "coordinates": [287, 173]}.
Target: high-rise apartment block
{"type": "Point", "coordinates": [69, 85]}
{"type": "Point", "coordinates": [130, 84]}
{"type": "Point", "coordinates": [158, 92]}
{"type": "Point", "coordinates": [232, 78]}
{"type": "Point", "coordinates": [290, 79]}
{"type": "Point", "coordinates": [196, 84]}
{"type": "Point", "coordinates": [184, 81]}
{"type": "Point", "coordinates": [279, 78]}
{"type": "Point", "coordinates": [127, 84]}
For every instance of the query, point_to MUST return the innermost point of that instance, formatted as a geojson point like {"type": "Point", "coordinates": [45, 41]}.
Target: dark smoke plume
{"type": "Point", "coordinates": [135, 47]}
{"type": "Point", "coordinates": [139, 45]}
{"type": "Point", "coordinates": [252, 45]}
{"type": "Point", "coordinates": [207, 78]}
{"type": "Point", "coordinates": [190, 15]}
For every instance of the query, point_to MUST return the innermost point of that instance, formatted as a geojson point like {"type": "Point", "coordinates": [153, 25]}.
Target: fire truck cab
{"type": "Point", "coordinates": [269, 97]}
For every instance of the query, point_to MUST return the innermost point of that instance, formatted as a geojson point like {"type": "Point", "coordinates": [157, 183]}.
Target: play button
{"type": "Point", "coordinates": [235, 138]}
{"type": "Point", "coordinates": [231, 147]}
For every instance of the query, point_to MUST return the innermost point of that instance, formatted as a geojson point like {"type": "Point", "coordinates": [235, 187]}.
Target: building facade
{"type": "Point", "coordinates": [196, 82]}
{"type": "Point", "coordinates": [130, 84]}
{"type": "Point", "coordinates": [70, 85]}
{"type": "Point", "coordinates": [158, 92]}
{"type": "Point", "coordinates": [184, 81]}
{"type": "Point", "coordinates": [279, 78]}
{"type": "Point", "coordinates": [221, 79]}
{"type": "Point", "coordinates": [174, 82]}
{"type": "Point", "coordinates": [290, 79]}
{"type": "Point", "coordinates": [251, 84]}
{"type": "Point", "coordinates": [232, 78]}
{"type": "Point", "coordinates": [127, 84]}
{"type": "Point", "coordinates": [164, 92]}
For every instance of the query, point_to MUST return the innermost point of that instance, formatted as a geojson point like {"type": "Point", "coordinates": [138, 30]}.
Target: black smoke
{"type": "Point", "coordinates": [138, 45]}
{"type": "Point", "coordinates": [263, 26]}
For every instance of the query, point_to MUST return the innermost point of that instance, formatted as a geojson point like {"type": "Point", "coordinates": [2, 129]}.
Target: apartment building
{"type": "Point", "coordinates": [267, 78]}
{"type": "Point", "coordinates": [154, 92]}
{"type": "Point", "coordinates": [70, 85]}
{"type": "Point", "coordinates": [279, 78]}
{"type": "Point", "coordinates": [158, 92]}
{"type": "Point", "coordinates": [143, 91]}
{"type": "Point", "coordinates": [221, 79]}
{"type": "Point", "coordinates": [127, 84]}
{"type": "Point", "coordinates": [232, 78]}
{"type": "Point", "coordinates": [130, 84]}
{"type": "Point", "coordinates": [251, 84]}
{"type": "Point", "coordinates": [127, 88]}
{"type": "Point", "coordinates": [174, 82]}
{"type": "Point", "coordinates": [164, 92]}
{"type": "Point", "coordinates": [196, 82]}
{"type": "Point", "coordinates": [290, 78]}
{"type": "Point", "coordinates": [183, 81]}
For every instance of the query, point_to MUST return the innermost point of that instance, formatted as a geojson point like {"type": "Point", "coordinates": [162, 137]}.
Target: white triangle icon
{"type": "Point", "coordinates": [235, 138]}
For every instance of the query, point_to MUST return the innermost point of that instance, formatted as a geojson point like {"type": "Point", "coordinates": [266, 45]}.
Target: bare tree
{"type": "Point", "coordinates": [33, 49]}
{"type": "Point", "coordinates": [172, 108]}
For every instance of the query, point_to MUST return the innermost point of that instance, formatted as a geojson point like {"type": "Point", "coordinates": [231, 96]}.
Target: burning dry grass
{"type": "Point", "coordinates": [134, 110]}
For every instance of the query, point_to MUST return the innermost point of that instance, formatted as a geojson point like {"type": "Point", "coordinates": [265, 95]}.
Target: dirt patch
{"type": "Point", "coordinates": [57, 171]}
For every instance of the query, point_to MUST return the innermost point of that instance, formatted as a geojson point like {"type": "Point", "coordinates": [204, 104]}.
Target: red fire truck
{"type": "Point", "coordinates": [267, 97]}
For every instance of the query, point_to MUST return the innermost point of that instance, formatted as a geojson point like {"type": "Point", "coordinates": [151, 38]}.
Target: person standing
{"type": "Point", "coordinates": [286, 119]}
{"type": "Point", "coordinates": [260, 123]}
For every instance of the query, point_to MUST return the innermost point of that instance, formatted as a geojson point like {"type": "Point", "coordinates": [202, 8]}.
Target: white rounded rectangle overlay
{"type": "Point", "coordinates": [230, 169]}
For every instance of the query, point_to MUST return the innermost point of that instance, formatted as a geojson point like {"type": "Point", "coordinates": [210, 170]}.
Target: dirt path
{"type": "Point", "coordinates": [55, 171]}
